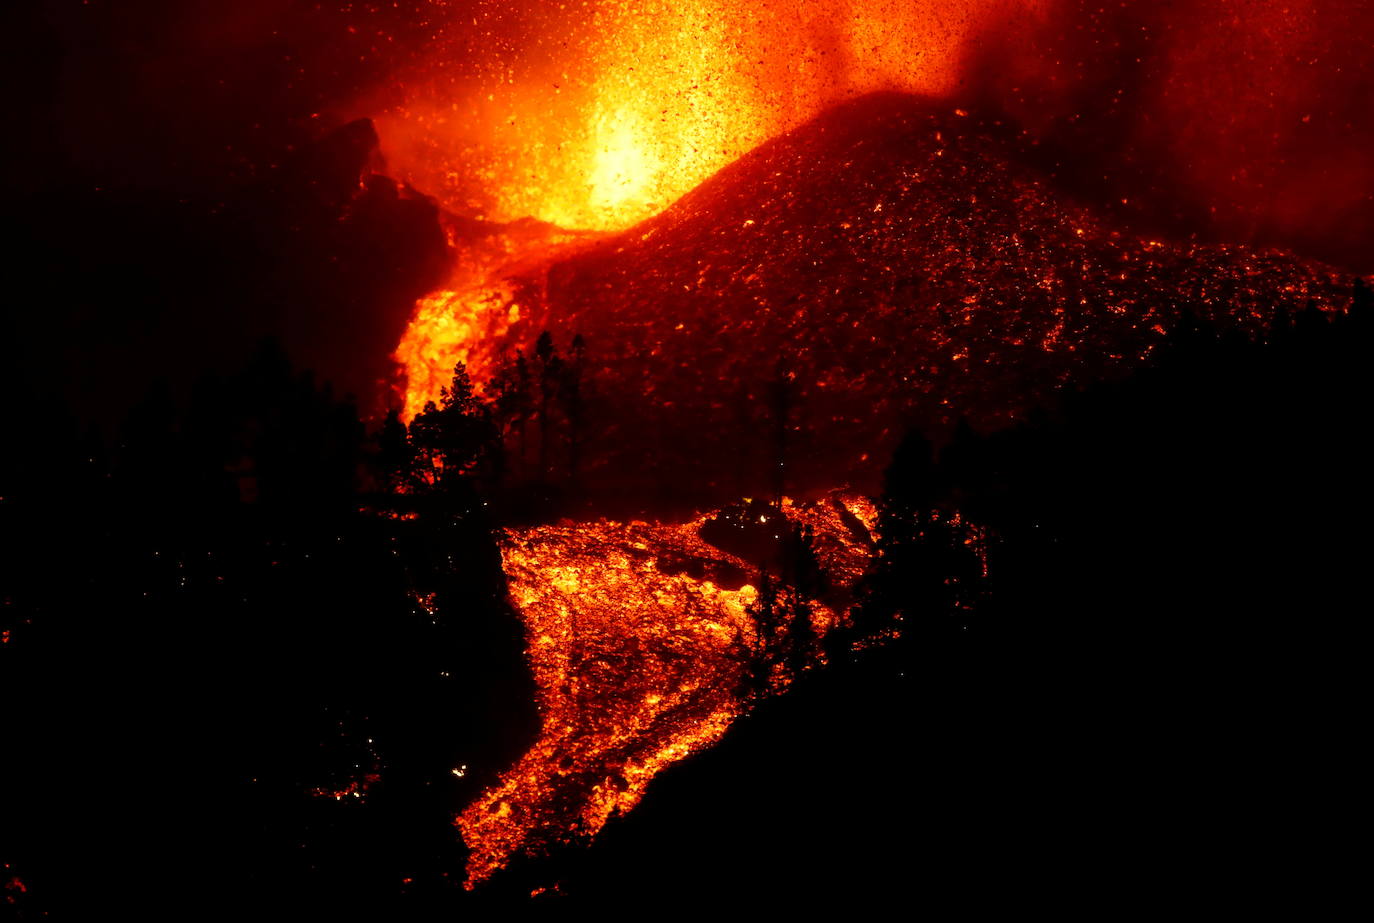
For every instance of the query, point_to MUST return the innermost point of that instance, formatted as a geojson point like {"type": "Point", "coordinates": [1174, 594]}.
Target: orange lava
{"type": "Point", "coordinates": [547, 132]}
{"type": "Point", "coordinates": [905, 263]}
{"type": "Point", "coordinates": [601, 116]}
{"type": "Point", "coordinates": [465, 321]}
{"type": "Point", "coordinates": [640, 639]}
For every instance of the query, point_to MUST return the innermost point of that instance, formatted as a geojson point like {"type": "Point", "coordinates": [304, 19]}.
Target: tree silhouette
{"type": "Point", "coordinates": [550, 372]}
{"type": "Point", "coordinates": [763, 613]}
{"type": "Point", "coordinates": [573, 405]}
{"type": "Point", "coordinates": [922, 559]}
{"type": "Point", "coordinates": [452, 438]}
{"type": "Point", "coordinates": [512, 405]}
{"type": "Point", "coordinates": [395, 455]}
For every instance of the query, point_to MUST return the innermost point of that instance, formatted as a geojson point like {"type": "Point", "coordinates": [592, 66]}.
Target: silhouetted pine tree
{"type": "Point", "coordinates": [550, 373]}
{"type": "Point", "coordinates": [573, 406]}
{"type": "Point", "coordinates": [802, 572]}
{"type": "Point", "coordinates": [395, 455]}
{"type": "Point", "coordinates": [453, 438]}
{"type": "Point", "coordinates": [802, 641]}
{"type": "Point", "coordinates": [763, 612]}
{"type": "Point", "coordinates": [512, 404]}
{"type": "Point", "coordinates": [907, 581]}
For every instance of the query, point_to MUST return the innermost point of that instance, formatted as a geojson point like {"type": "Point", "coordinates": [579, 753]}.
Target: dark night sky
{"type": "Point", "coordinates": [176, 204]}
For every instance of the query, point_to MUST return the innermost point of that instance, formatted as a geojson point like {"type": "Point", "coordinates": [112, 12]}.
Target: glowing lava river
{"type": "Point", "coordinates": [941, 281]}
{"type": "Point", "coordinates": [641, 640]}
{"type": "Point", "coordinates": [718, 200]}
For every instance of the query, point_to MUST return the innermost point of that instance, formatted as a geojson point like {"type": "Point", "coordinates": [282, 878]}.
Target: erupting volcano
{"type": "Point", "coordinates": [771, 274]}
{"type": "Point", "coordinates": [893, 259]}
{"type": "Point", "coordinates": [643, 381]}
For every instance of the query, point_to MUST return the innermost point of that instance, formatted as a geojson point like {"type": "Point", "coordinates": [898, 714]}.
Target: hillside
{"type": "Point", "coordinates": [895, 261]}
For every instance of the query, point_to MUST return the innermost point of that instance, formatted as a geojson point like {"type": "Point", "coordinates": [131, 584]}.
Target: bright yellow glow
{"type": "Point", "coordinates": [610, 110]}
{"type": "Point", "coordinates": [636, 664]}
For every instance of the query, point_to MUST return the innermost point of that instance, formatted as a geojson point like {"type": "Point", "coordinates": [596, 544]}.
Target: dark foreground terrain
{"type": "Point", "coordinates": [1150, 697]}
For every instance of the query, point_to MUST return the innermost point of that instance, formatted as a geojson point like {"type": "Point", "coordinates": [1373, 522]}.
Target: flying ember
{"type": "Point", "coordinates": [641, 638]}
{"type": "Point", "coordinates": [783, 218]}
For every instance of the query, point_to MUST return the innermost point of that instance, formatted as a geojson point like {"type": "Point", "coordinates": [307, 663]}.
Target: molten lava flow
{"type": "Point", "coordinates": [450, 327]}
{"type": "Point", "coordinates": [905, 265]}
{"type": "Point", "coordinates": [753, 212]}
{"type": "Point", "coordinates": [466, 322]}
{"type": "Point", "coordinates": [600, 115]}
{"type": "Point", "coordinates": [600, 120]}
{"type": "Point", "coordinates": [640, 638]}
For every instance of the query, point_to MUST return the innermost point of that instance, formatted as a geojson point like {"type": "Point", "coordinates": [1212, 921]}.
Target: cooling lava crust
{"type": "Point", "coordinates": [895, 261]}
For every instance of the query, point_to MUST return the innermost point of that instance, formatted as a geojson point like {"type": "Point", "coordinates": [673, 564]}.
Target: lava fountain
{"type": "Point", "coordinates": [594, 118]}
{"type": "Point", "coordinates": [583, 156]}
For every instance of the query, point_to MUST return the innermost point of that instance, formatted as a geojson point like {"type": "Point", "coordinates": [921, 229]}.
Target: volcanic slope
{"type": "Point", "coordinates": [895, 263]}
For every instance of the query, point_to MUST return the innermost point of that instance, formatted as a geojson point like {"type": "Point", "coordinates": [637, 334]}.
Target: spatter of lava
{"type": "Point", "coordinates": [898, 263]}
{"type": "Point", "coordinates": [640, 638]}
{"type": "Point", "coordinates": [896, 260]}
{"type": "Point", "coordinates": [597, 114]}
{"type": "Point", "coordinates": [898, 257]}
